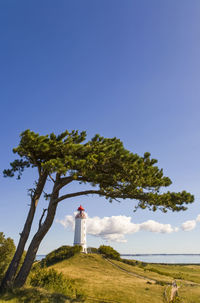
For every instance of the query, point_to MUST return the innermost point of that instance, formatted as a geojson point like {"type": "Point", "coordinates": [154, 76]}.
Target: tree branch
{"type": "Point", "coordinates": [40, 222]}
{"type": "Point", "coordinates": [63, 181]}
{"type": "Point", "coordinates": [52, 179]}
{"type": "Point", "coordinates": [116, 200]}
{"type": "Point", "coordinates": [81, 193]}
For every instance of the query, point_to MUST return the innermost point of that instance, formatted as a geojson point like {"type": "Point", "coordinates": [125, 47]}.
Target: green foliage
{"type": "Point", "coordinates": [142, 265]}
{"type": "Point", "coordinates": [131, 262]}
{"type": "Point", "coordinates": [103, 163]}
{"type": "Point", "coordinates": [177, 300]}
{"type": "Point", "coordinates": [7, 250]}
{"type": "Point", "coordinates": [135, 263]}
{"type": "Point", "coordinates": [109, 252]}
{"type": "Point", "coordinates": [62, 253]}
{"type": "Point", "coordinates": [92, 250]}
{"type": "Point", "coordinates": [51, 280]}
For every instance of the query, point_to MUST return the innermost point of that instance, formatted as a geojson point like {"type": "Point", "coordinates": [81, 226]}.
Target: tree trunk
{"type": "Point", "coordinates": [35, 243]}
{"type": "Point", "coordinates": [12, 269]}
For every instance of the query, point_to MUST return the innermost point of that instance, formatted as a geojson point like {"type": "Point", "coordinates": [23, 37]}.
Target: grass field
{"type": "Point", "coordinates": [99, 279]}
{"type": "Point", "coordinates": [110, 281]}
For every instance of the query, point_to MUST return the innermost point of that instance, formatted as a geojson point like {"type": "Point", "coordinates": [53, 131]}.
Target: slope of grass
{"type": "Point", "coordinates": [184, 272]}
{"type": "Point", "coordinates": [143, 271]}
{"type": "Point", "coordinates": [189, 293]}
{"type": "Point", "coordinates": [113, 281]}
{"type": "Point", "coordinates": [99, 279]}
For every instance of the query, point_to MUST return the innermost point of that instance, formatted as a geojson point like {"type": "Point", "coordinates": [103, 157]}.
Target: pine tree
{"type": "Point", "coordinates": [103, 165]}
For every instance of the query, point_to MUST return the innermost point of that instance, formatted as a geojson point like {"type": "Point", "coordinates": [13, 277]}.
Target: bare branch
{"type": "Point", "coordinates": [117, 200]}
{"type": "Point", "coordinates": [31, 192]}
{"type": "Point", "coordinates": [46, 195]}
{"type": "Point", "coordinates": [52, 179]}
{"type": "Point", "coordinates": [40, 222]}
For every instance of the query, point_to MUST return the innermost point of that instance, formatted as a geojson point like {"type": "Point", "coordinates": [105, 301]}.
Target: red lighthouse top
{"type": "Point", "coordinates": [81, 214]}
{"type": "Point", "coordinates": [81, 208]}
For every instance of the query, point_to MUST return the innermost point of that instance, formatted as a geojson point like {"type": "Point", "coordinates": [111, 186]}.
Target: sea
{"type": "Point", "coordinates": [157, 258]}
{"type": "Point", "coordinates": [165, 258]}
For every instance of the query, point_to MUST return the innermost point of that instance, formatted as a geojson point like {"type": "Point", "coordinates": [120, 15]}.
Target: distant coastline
{"type": "Point", "coordinates": [160, 254]}
{"type": "Point", "coordinates": [164, 258]}
{"type": "Point", "coordinates": [157, 258]}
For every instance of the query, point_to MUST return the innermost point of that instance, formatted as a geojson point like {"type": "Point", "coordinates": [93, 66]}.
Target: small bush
{"type": "Point", "coordinates": [142, 265]}
{"type": "Point", "coordinates": [109, 252]}
{"type": "Point", "coordinates": [51, 280]}
{"type": "Point", "coordinates": [62, 253]}
{"type": "Point", "coordinates": [92, 250]}
{"type": "Point", "coordinates": [134, 263]}
{"type": "Point", "coordinates": [7, 250]}
{"type": "Point", "coordinates": [129, 262]}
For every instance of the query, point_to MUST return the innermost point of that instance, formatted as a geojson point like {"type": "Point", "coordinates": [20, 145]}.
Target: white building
{"type": "Point", "coordinates": [80, 229]}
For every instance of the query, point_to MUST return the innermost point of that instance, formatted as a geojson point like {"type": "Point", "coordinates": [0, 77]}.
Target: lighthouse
{"type": "Point", "coordinates": [80, 229]}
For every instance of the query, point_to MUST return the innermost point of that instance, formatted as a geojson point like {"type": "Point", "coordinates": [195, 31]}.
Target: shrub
{"type": "Point", "coordinates": [142, 265]}
{"type": "Point", "coordinates": [131, 262]}
{"type": "Point", "coordinates": [109, 252]}
{"type": "Point", "coordinates": [51, 280]}
{"type": "Point", "coordinates": [62, 253]}
{"type": "Point", "coordinates": [92, 250]}
{"type": "Point", "coordinates": [7, 250]}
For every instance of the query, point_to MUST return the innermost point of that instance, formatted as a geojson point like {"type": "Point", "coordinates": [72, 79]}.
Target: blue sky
{"type": "Point", "coordinates": [129, 69]}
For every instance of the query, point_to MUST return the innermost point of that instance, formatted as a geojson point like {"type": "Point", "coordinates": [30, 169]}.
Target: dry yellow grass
{"type": "Point", "coordinates": [144, 272]}
{"type": "Point", "coordinates": [189, 293]}
{"type": "Point", "coordinates": [99, 279]}
{"type": "Point", "coordinates": [106, 282]}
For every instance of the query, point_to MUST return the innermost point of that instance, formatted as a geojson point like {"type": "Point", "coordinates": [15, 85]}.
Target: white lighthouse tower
{"type": "Point", "coordinates": [80, 229]}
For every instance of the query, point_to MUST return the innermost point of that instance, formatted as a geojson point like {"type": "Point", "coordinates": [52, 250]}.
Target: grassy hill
{"type": "Point", "coordinates": [110, 281]}
{"type": "Point", "coordinates": [99, 279]}
{"type": "Point", "coordinates": [123, 283]}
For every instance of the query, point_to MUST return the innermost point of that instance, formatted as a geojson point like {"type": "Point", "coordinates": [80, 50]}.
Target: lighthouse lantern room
{"type": "Point", "coordinates": [80, 229]}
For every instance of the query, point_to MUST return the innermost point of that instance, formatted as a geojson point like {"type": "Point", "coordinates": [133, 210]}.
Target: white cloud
{"type": "Point", "coordinates": [176, 229]}
{"type": "Point", "coordinates": [116, 227]}
{"type": "Point", "coordinates": [156, 227]}
{"type": "Point", "coordinates": [67, 222]}
{"type": "Point", "coordinates": [188, 225]}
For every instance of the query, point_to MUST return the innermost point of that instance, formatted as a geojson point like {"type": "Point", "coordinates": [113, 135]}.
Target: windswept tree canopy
{"type": "Point", "coordinates": [103, 163]}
